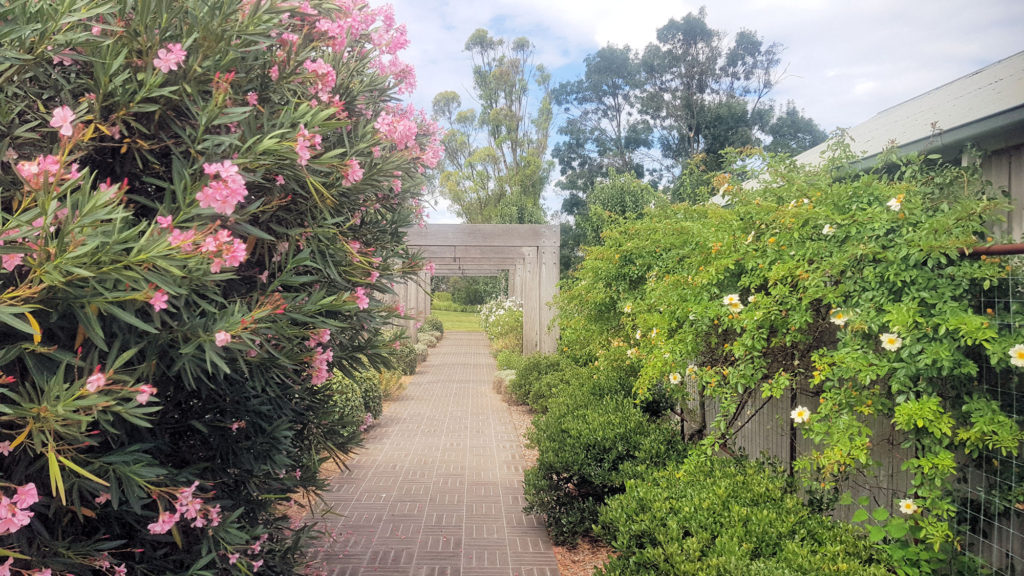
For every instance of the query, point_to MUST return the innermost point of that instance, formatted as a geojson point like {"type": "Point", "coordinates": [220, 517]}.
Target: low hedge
{"type": "Point", "coordinates": [587, 447]}
{"type": "Point", "coordinates": [433, 324]}
{"type": "Point", "coordinates": [721, 517]}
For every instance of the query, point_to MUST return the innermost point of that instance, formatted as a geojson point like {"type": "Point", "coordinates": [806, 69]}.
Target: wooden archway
{"type": "Point", "coordinates": [528, 252]}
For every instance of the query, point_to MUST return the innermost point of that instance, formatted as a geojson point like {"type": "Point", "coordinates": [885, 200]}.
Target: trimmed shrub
{"type": "Point", "coordinates": [588, 447]}
{"type": "Point", "coordinates": [192, 240]}
{"type": "Point", "coordinates": [509, 360]}
{"type": "Point", "coordinates": [391, 383]}
{"type": "Point", "coordinates": [404, 358]}
{"type": "Point", "coordinates": [435, 335]}
{"type": "Point", "coordinates": [532, 369]}
{"type": "Point", "coordinates": [721, 517]}
{"type": "Point", "coordinates": [434, 324]}
{"type": "Point", "coordinates": [371, 391]}
{"type": "Point", "coordinates": [421, 352]}
{"type": "Point", "coordinates": [550, 385]}
{"type": "Point", "coordinates": [502, 379]}
{"type": "Point", "coordinates": [347, 400]}
{"type": "Point", "coordinates": [428, 340]}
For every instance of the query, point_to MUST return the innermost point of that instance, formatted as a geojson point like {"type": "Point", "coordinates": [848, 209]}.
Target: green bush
{"type": "Point", "coordinates": [551, 385]}
{"type": "Point", "coordinates": [438, 297]}
{"type": "Point", "coordinates": [427, 340]}
{"type": "Point", "coordinates": [421, 351]}
{"type": "Point", "coordinates": [391, 383]}
{"type": "Point", "coordinates": [435, 335]}
{"type": "Point", "coordinates": [347, 401]}
{"type": "Point", "coordinates": [509, 360]}
{"type": "Point", "coordinates": [453, 307]}
{"type": "Point", "coordinates": [202, 205]}
{"type": "Point", "coordinates": [371, 391]}
{"type": "Point", "coordinates": [719, 517]}
{"type": "Point", "coordinates": [587, 447]}
{"type": "Point", "coordinates": [404, 358]}
{"type": "Point", "coordinates": [433, 324]}
{"type": "Point", "coordinates": [530, 371]}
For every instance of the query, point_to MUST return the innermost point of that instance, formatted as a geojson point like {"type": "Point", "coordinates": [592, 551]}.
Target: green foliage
{"type": "Point", "coordinates": [588, 444]}
{"type": "Point", "coordinates": [792, 132]}
{"type": "Point", "coordinates": [371, 392]}
{"type": "Point", "coordinates": [391, 383]}
{"type": "Point", "coordinates": [532, 369]}
{"type": "Point", "coordinates": [347, 400]}
{"type": "Point", "coordinates": [509, 360]}
{"type": "Point", "coordinates": [494, 167]}
{"type": "Point", "coordinates": [848, 287]}
{"type": "Point", "coordinates": [179, 279]}
{"type": "Point", "coordinates": [433, 324]}
{"type": "Point", "coordinates": [540, 377]}
{"type": "Point", "coordinates": [403, 358]}
{"type": "Point", "coordinates": [719, 517]}
{"type": "Point", "coordinates": [427, 340]}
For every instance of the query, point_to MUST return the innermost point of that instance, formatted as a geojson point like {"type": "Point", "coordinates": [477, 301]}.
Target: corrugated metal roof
{"type": "Point", "coordinates": [991, 91]}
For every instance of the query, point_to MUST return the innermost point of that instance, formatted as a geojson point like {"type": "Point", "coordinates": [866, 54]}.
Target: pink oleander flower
{"type": "Point", "coordinates": [159, 300]}
{"type": "Point", "coordinates": [430, 268]}
{"type": "Point", "coordinates": [165, 221]}
{"type": "Point", "coordinates": [320, 365]}
{"type": "Point", "coordinates": [256, 565]}
{"type": "Point", "coordinates": [324, 77]}
{"type": "Point", "coordinates": [145, 391]}
{"type": "Point", "coordinates": [279, 180]}
{"type": "Point", "coordinates": [169, 57]}
{"type": "Point", "coordinates": [37, 172]}
{"type": "Point", "coordinates": [11, 261]}
{"type": "Point", "coordinates": [302, 143]}
{"type": "Point", "coordinates": [225, 189]}
{"type": "Point", "coordinates": [237, 424]}
{"type": "Point", "coordinates": [373, 276]}
{"type": "Point", "coordinates": [321, 336]}
{"type": "Point", "coordinates": [353, 172]}
{"type": "Point", "coordinates": [164, 523]}
{"type": "Point", "coordinates": [252, 98]}
{"type": "Point", "coordinates": [62, 118]}
{"type": "Point", "coordinates": [120, 570]}
{"type": "Point", "coordinates": [274, 73]}
{"type": "Point", "coordinates": [5, 568]}
{"type": "Point", "coordinates": [97, 381]}
{"type": "Point", "coordinates": [103, 498]}
{"type": "Point", "coordinates": [222, 338]}
{"type": "Point", "coordinates": [232, 558]}
{"type": "Point", "coordinates": [5, 447]}
{"type": "Point", "coordinates": [26, 495]}
{"type": "Point", "coordinates": [362, 300]}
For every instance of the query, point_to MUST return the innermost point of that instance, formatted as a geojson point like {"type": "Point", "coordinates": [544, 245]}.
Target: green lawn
{"type": "Point", "coordinates": [458, 321]}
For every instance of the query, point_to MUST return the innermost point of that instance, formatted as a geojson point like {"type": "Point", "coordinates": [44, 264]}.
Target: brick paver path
{"type": "Point", "coordinates": [438, 488]}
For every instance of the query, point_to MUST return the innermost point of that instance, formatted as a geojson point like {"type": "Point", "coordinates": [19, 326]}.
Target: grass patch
{"type": "Point", "coordinates": [458, 321]}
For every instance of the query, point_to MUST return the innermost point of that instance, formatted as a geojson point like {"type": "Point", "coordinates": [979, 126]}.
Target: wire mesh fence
{"type": "Point", "coordinates": [990, 504]}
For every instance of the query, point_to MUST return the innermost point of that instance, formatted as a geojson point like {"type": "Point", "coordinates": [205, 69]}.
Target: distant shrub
{"type": "Point", "coordinates": [719, 517]}
{"type": "Point", "coordinates": [404, 357]}
{"type": "Point", "coordinates": [509, 360]}
{"type": "Point", "coordinates": [391, 383]}
{"type": "Point", "coordinates": [372, 393]}
{"type": "Point", "coordinates": [502, 321]}
{"type": "Point", "coordinates": [428, 340]}
{"type": "Point", "coordinates": [438, 297]}
{"type": "Point", "coordinates": [531, 370]}
{"type": "Point", "coordinates": [421, 351]}
{"type": "Point", "coordinates": [453, 307]}
{"type": "Point", "coordinates": [588, 447]}
{"type": "Point", "coordinates": [347, 395]}
{"type": "Point", "coordinates": [433, 324]}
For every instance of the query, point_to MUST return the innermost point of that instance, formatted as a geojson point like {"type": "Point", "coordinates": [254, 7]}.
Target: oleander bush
{"type": "Point", "coordinates": [721, 517]}
{"type": "Point", "coordinates": [433, 324]}
{"type": "Point", "coordinates": [199, 205]}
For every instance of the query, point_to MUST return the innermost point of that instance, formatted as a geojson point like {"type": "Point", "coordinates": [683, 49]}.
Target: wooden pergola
{"type": "Point", "coordinates": [527, 252]}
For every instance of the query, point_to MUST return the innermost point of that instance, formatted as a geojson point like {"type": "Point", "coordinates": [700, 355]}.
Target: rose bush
{"type": "Point", "coordinates": [198, 203]}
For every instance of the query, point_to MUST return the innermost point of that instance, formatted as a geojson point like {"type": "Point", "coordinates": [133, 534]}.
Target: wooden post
{"type": "Point", "coordinates": [531, 302]}
{"type": "Point", "coordinates": [549, 269]}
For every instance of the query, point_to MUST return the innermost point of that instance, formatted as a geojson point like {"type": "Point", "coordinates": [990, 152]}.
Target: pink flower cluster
{"type": "Point", "coordinates": [44, 169]}
{"type": "Point", "coordinates": [221, 247]}
{"type": "Point", "coordinates": [225, 190]}
{"type": "Point", "coordinates": [353, 172]}
{"type": "Point", "coordinates": [319, 365]}
{"type": "Point", "coordinates": [321, 336]}
{"type": "Point", "coordinates": [14, 513]}
{"type": "Point", "coordinates": [362, 300]}
{"type": "Point", "coordinates": [96, 381]}
{"type": "Point", "coordinates": [302, 143]}
{"type": "Point", "coordinates": [324, 78]}
{"type": "Point", "coordinates": [398, 126]}
{"type": "Point", "coordinates": [403, 74]}
{"type": "Point", "coordinates": [189, 507]}
{"type": "Point", "coordinates": [169, 57]}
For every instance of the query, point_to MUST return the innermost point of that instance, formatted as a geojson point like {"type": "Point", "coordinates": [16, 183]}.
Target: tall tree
{"type": "Point", "coordinates": [793, 133]}
{"type": "Point", "coordinates": [603, 129]}
{"type": "Point", "coordinates": [494, 169]}
{"type": "Point", "coordinates": [704, 94]}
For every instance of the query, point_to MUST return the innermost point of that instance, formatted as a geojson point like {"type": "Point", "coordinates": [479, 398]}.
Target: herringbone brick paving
{"type": "Point", "coordinates": [437, 490]}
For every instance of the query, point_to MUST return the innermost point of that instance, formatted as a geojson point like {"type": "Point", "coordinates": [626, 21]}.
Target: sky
{"type": "Point", "coordinates": [844, 60]}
